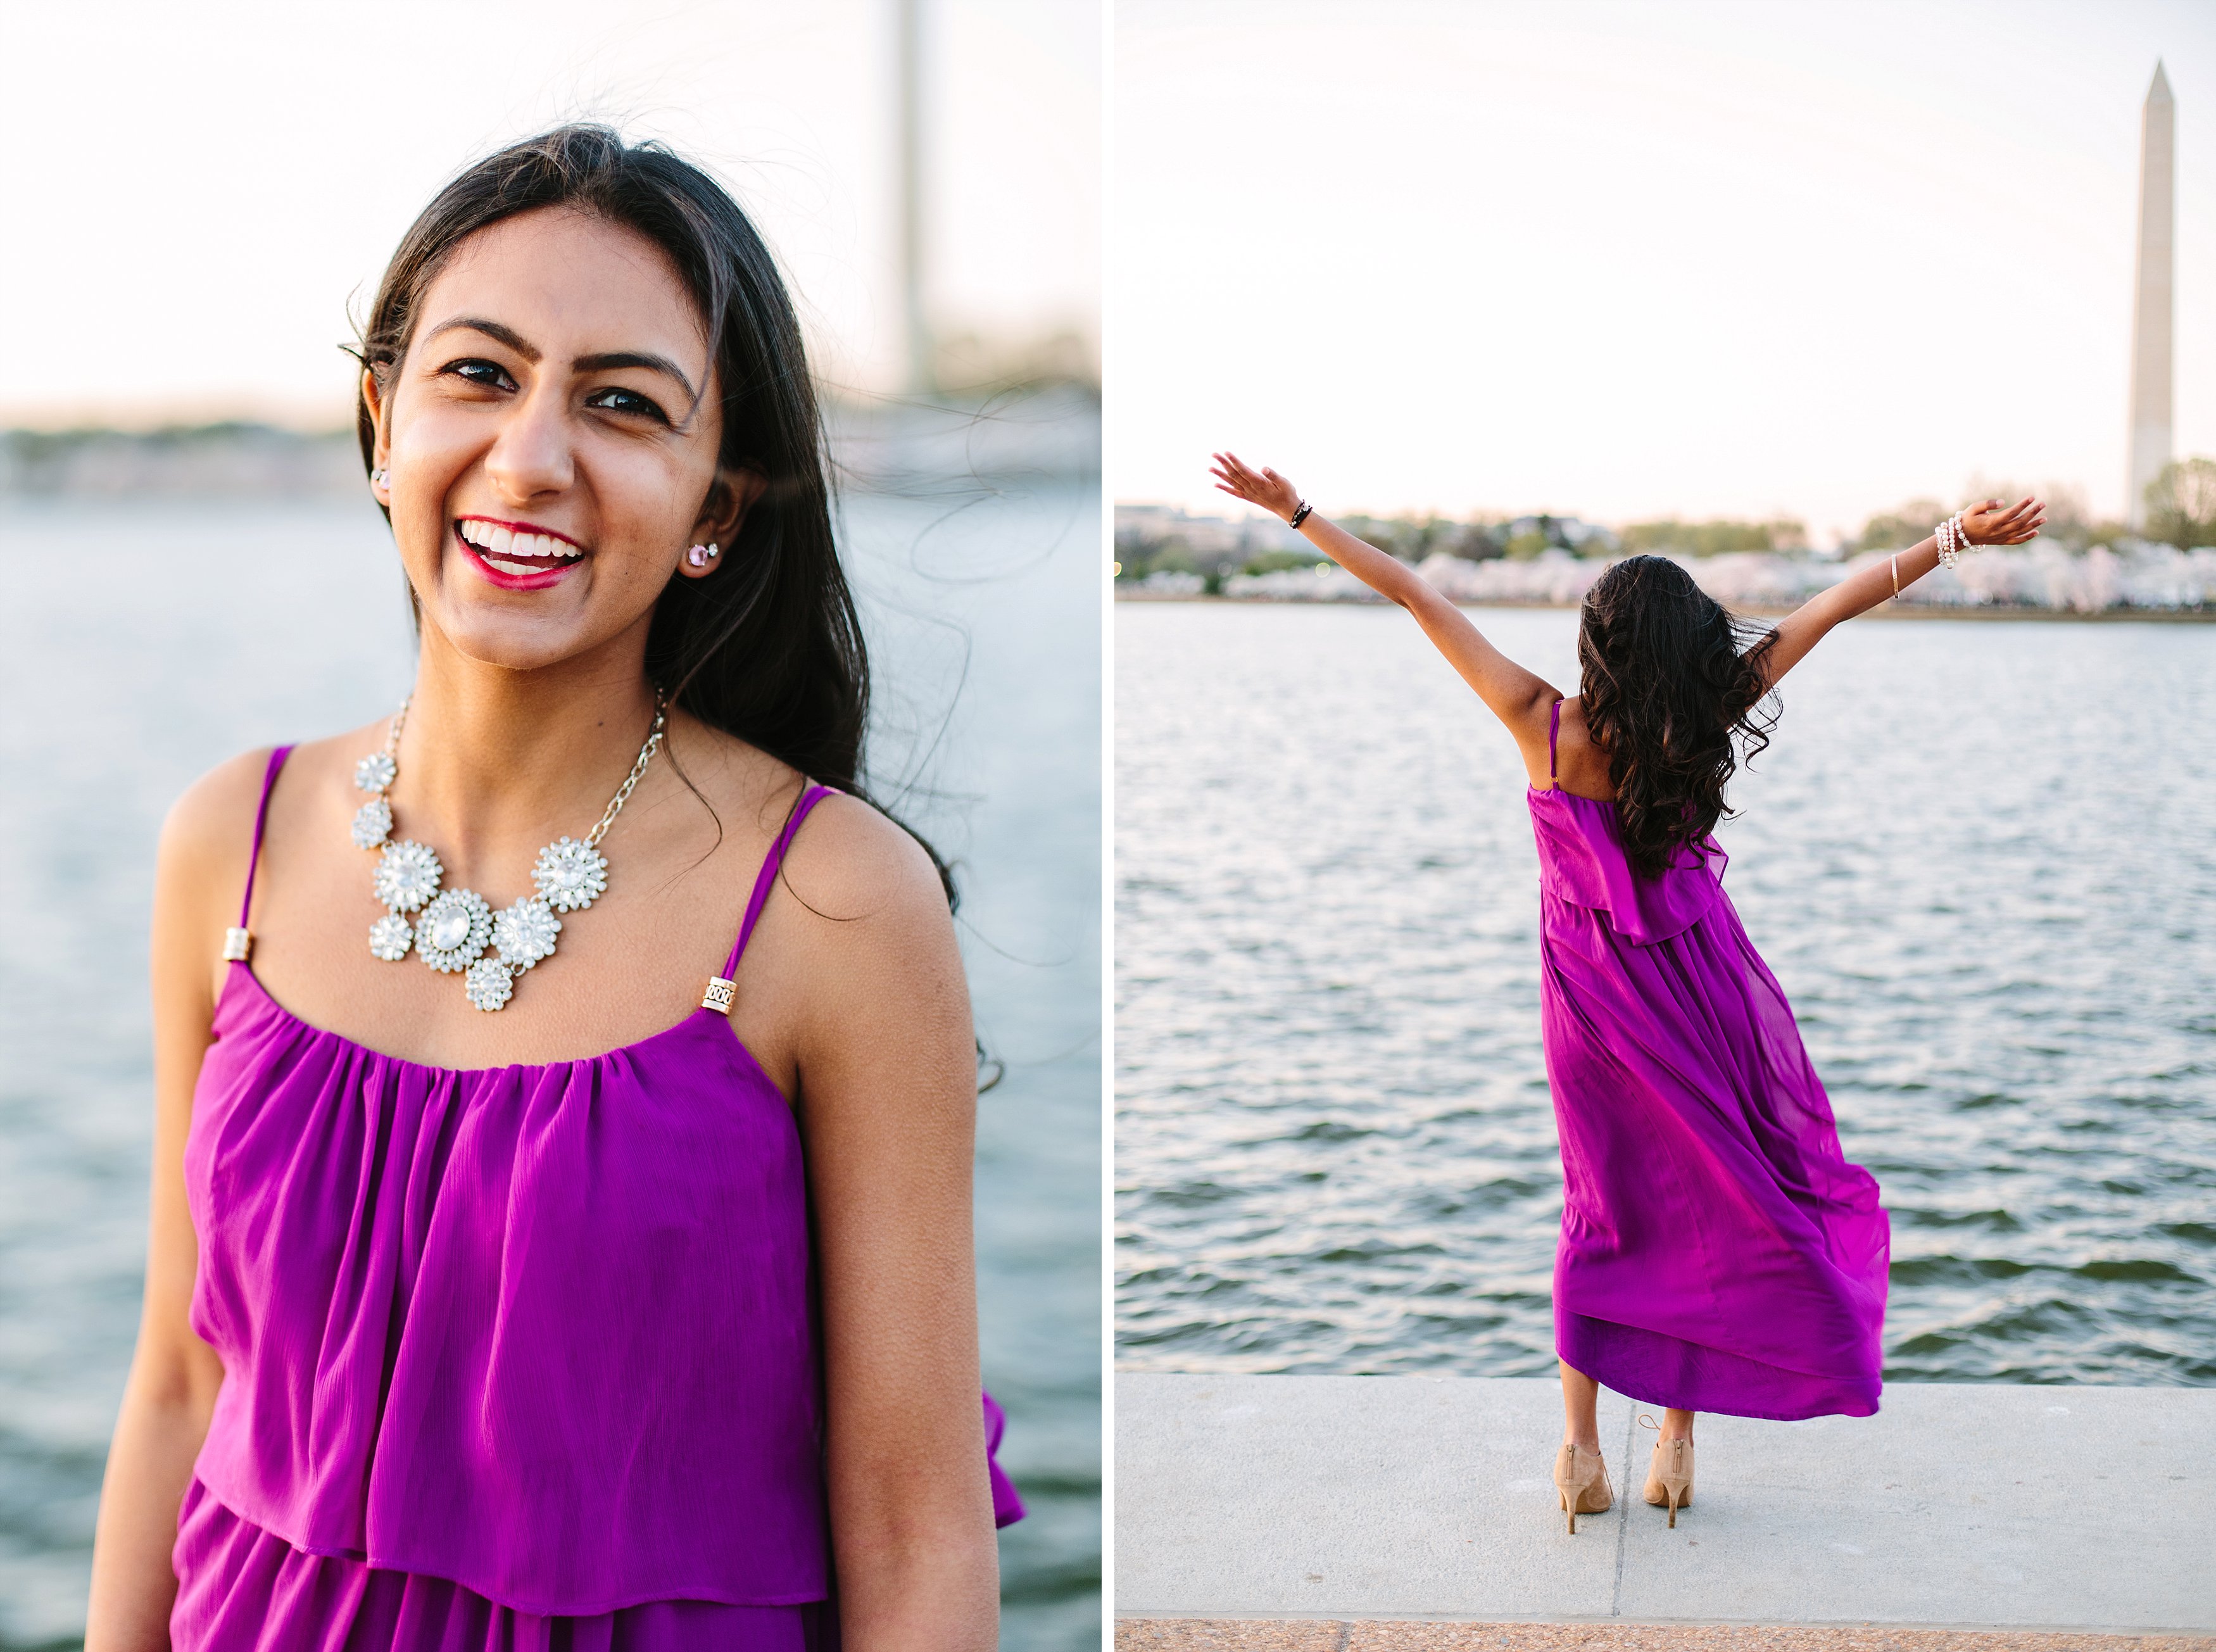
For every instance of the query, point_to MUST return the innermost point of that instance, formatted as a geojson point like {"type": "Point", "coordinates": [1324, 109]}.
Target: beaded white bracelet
{"type": "Point", "coordinates": [1952, 541]}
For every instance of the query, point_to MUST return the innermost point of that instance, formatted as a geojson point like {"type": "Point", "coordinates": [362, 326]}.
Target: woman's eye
{"type": "Point", "coordinates": [490, 374]}
{"type": "Point", "coordinates": [617, 399]}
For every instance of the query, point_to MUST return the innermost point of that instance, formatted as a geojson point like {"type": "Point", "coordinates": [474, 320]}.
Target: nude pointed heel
{"type": "Point", "coordinates": [1581, 1483]}
{"type": "Point", "coordinates": [1670, 1473]}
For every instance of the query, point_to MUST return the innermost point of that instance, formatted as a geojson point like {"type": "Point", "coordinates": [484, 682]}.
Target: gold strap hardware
{"type": "Point", "coordinates": [236, 944]}
{"type": "Point", "coordinates": [720, 994]}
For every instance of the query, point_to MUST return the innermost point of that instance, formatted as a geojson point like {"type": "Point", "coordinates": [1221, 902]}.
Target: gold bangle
{"type": "Point", "coordinates": [1895, 560]}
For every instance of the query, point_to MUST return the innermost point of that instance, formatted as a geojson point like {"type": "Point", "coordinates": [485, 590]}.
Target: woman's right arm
{"type": "Point", "coordinates": [1519, 698]}
{"type": "Point", "coordinates": [200, 873]}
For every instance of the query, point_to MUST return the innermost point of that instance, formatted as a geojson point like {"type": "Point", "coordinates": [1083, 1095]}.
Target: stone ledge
{"type": "Point", "coordinates": [1325, 1635]}
{"type": "Point", "coordinates": [2078, 1512]}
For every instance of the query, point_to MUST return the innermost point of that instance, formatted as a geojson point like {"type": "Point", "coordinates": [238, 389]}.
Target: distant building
{"type": "Point", "coordinates": [1204, 534]}
{"type": "Point", "coordinates": [1217, 541]}
{"type": "Point", "coordinates": [2153, 301]}
{"type": "Point", "coordinates": [1143, 532]}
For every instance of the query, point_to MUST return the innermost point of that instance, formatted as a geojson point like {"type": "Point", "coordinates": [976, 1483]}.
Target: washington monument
{"type": "Point", "coordinates": [2151, 310]}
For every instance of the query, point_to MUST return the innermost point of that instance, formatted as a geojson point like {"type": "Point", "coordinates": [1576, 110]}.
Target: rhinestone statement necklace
{"type": "Point", "coordinates": [455, 926]}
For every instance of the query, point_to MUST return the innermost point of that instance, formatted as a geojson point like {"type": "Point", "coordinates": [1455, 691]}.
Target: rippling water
{"type": "Point", "coordinates": [139, 645]}
{"type": "Point", "coordinates": [1981, 858]}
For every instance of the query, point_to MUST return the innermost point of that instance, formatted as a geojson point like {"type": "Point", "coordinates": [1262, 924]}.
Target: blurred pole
{"type": "Point", "coordinates": [922, 363]}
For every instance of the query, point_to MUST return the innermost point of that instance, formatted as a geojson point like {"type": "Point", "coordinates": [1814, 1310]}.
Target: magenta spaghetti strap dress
{"type": "Point", "coordinates": [1717, 1252]}
{"type": "Point", "coordinates": [515, 1358]}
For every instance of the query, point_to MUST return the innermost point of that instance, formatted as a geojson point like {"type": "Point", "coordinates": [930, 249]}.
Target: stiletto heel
{"type": "Point", "coordinates": [1669, 1473]}
{"type": "Point", "coordinates": [1581, 1483]}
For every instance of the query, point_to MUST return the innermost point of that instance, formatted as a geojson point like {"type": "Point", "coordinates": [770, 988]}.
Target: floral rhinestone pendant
{"type": "Point", "coordinates": [570, 876]}
{"type": "Point", "coordinates": [526, 932]}
{"type": "Point", "coordinates": [372, 824]}
{"type": "Point", "coordinates": [490, 984]}
{"type": "Point", "coordinates": [407, 875]}
{"type": "Point", "coordinates": [454, 930]}
{"type": "Point", "coordinates": [391, 937]}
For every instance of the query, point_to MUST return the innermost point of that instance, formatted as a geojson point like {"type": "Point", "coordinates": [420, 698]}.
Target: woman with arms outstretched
{"type": "Point", "coordinates": [1717, 1252]}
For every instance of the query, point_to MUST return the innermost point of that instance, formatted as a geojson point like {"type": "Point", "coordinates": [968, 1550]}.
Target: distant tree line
{"type": "Point", "coordinates": [1671, 537]}
{"type": "Point", "coordinates": [2181, 504]}
{"type": "Point", "coordinates": [1215, 552]}
{"type": "Point", "coordinates": [234, 458]}
{"type": "Point", "coordinates": [2180, 511]}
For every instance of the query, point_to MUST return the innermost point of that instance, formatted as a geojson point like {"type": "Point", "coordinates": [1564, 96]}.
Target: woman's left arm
{"type": "Point", "coordinates": [1991, 522]}
{"type": "Point", "coordinates": [888, 1109]}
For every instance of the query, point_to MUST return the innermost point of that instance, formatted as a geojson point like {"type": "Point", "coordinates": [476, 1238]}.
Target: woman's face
{"type": "Point", "coordinates": [552, 437]}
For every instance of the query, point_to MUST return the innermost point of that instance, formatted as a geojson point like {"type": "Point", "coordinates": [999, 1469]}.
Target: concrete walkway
{"type": "Point", "coordinates": [1958, 1506]}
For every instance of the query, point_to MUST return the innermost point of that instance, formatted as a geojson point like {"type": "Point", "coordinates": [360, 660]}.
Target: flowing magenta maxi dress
{"type": "Point", "coordinates": [1718, 1252]}
{"type": "Point", "coordinates": [515, 1357]}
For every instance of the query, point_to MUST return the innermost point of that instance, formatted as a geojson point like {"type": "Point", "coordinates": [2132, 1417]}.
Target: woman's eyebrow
{"type": "Point", "coordinates": [599, 363]}
{"type": "Point", "coordinates": [635, 358]}
{"type": "Point", "coordinates": [508, 336]}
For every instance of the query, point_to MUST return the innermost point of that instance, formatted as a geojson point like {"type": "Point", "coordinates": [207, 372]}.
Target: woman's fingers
{"type": "Point", "coordinates": [1228, 469]}
{"type": "Point", "coordinates": [1245, 480]}
{"type": "Point", "coordinates": [1235, 476]}
{"type": "Point", "coordinates": [1996, 522]}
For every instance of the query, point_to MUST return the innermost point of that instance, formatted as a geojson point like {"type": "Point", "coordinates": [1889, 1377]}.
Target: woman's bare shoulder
{"type": "Point", "coordinates": [850, 862]}
{"type": "Point", "coordinates": [215, 814]}
{"type": "Point", "coordinates": [1580, 763]}
{"type": "Point", "coordinates": [210, 828]}
{"type": "Point", "coordinates": [866, 948]}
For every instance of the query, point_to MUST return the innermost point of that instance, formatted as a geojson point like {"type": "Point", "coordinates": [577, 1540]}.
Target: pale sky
{"type": "Point", "coordinates": [1630, 260]}
{"type": "Point", "coordinates": [194, 192]}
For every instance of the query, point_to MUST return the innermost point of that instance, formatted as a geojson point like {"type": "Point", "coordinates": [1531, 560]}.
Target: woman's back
{"type": "Point", "coordinates": [1584, 863]}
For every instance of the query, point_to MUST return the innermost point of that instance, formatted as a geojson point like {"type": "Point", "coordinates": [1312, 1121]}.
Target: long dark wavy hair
{"type": "Point", "coordinates": [1675, 692]}
{"type": "Point", "coordinates": [768, 648]}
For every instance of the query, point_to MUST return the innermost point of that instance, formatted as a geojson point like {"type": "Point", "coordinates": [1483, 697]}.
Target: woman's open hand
{"type": "Point", "coordinates": [1991, 522]}
{"type": "Point", "coordinates": [1264, 487]}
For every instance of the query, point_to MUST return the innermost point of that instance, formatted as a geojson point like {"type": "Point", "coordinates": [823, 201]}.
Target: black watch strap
{"type": "Point", "coordinates": [1299, 515]}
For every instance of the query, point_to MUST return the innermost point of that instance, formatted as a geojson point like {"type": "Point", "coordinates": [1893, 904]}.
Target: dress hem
{"type": "Point", "coordinates": [1611, 1367]}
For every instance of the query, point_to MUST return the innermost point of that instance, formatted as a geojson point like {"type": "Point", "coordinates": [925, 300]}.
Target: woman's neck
{"type": "Point", "coordinates": [492, 758]}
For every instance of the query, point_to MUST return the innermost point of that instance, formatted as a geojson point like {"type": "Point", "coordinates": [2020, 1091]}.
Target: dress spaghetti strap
{"type": "Point", "coordinates": [722, 988]}
{"type": "Point", "coordinates": [1553, 728]}
{"type": "Point", "coordinates": [237, 943]}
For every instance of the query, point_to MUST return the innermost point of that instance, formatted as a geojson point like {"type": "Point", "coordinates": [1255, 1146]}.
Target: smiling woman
{"type": "Point", "coordinates": [613, 1297]}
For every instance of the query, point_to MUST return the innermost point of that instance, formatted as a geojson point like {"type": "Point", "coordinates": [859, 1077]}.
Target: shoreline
{"type": "Point", "coordinates": [1886, 610]}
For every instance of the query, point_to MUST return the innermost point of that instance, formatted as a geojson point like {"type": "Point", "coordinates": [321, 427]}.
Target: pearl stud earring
{"type": "Point", "coordinates": [380, 478]}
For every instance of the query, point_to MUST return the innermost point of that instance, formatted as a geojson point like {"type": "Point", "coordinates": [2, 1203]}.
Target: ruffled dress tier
{"type": "Point", "coordinates": [518, 1357]}
{"type": "Point", "coordinates": [1718, 1252]}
